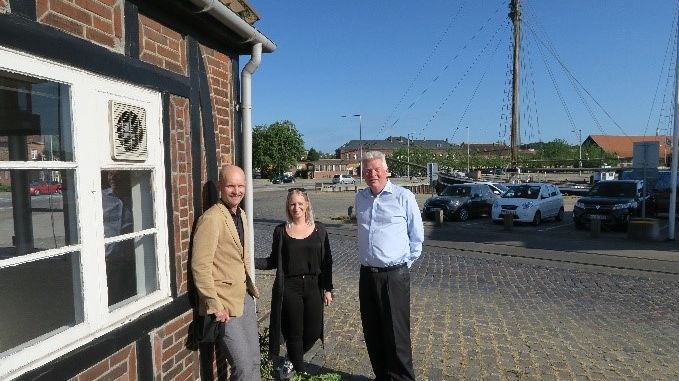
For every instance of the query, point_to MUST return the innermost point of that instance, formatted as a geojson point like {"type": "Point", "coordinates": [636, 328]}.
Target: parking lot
{"type": "Point", "coordinates": [531, 303]}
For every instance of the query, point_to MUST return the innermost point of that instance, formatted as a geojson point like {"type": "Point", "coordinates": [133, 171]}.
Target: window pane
{"type": "Point", "coordinates": [37, 211]}
{"type": "Point", "coordinates": [131, 269]}
{"type": "Point", "coordinates": [39, 298]}
{"type": "Point", "coordinates": [127, 201]}
{"type": "Point", "coordinates": [35, 119]}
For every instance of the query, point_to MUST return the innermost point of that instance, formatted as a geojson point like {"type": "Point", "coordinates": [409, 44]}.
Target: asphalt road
{"type": "Point", "coordinates": [534, 303]}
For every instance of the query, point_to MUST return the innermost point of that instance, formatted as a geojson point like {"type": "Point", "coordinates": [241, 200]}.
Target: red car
{"type": "Point", "coordinates": [37, 188]}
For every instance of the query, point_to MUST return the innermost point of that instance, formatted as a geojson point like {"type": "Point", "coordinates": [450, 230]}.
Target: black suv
{"type": "Point", "coordinates": [613, 202]}
{"type": "Point", "coordinates": [462, 201]}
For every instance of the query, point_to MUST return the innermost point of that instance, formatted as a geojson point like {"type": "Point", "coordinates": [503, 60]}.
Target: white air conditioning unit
{"type": "Point", "coordinates": [128, 132]}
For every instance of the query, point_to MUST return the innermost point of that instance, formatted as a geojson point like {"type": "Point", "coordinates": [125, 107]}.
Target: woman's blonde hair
{"type": "Point", "coordinates": [309, 214]}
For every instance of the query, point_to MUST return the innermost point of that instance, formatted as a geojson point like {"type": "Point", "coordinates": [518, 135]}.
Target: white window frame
{"type": "Point", "coordinates": [89, 96]}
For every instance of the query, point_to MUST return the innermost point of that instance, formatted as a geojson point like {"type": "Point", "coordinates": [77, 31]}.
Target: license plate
{"type": "Point", "coordinates": [597, 217]}
{"type": "Point", "coordinates": [512, 212]}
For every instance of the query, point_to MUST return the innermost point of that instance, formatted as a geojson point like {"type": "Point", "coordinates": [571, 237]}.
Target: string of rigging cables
{"type": "Point", "coordinates": [385, 125]}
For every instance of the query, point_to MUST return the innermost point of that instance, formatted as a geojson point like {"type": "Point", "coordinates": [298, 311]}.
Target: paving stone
{"type": "Point", "coordinates": [474, 318]}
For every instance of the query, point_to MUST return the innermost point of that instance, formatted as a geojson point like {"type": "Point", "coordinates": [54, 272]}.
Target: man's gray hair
{"type": "Point", "coordinates": [376, 155]}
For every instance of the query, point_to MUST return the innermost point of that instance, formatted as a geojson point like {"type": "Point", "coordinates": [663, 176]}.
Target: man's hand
{"type": "Point", "coordinates": [327, 298]}
{"type": "Point", "coordinates": [222, 316]}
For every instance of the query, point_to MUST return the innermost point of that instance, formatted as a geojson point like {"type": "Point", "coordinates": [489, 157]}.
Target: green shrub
{"type": "Point", "coordinates": [5, 188]}
{"type": "Point", "coordinates": [266, 366]}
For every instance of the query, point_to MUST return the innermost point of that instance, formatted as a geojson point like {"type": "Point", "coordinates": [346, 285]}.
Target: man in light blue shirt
{"type": "Point", "coordinates": [390, 236]}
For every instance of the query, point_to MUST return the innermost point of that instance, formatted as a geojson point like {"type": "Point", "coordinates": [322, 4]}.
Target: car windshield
{"type": "Point", "coordinates": [453, 190]}
{"type": "Point", "coordinates": [523, 191]}
{"type": "Point", "coordinates": [613, 189]}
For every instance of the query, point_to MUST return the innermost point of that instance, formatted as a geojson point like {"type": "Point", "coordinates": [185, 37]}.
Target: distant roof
{"type": "Point", "coordinates": [394, 143]}
{"type": "Point", "coordinates": [623, 146]}
{"type": "Point", "coordinates": [485, 147]}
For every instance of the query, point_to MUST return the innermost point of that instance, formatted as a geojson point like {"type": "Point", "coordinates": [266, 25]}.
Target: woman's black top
{"type": "Point", "coordinates": [302, 256]}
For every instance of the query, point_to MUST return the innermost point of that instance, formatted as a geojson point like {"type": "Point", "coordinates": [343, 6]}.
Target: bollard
{"type": "Point", "coordinates": [350, 211]}
{"type": "Point", "coordinates": [508, 221]}
{"type": "Point", "coordinates": [595, 228]}
{"type": "Point", "coordinates": [438, 217]}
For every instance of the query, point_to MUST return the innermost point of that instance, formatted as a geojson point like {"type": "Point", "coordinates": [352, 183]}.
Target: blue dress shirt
{"type": "Point", "coordinates": [390, 230]}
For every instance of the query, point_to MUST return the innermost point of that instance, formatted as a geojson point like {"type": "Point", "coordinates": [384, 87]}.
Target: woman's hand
{"type": "Point", "coordinates": [327, 298]}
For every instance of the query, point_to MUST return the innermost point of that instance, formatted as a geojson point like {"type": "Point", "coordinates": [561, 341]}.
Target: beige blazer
{"type": "Point", "coordinates": [219, 263]}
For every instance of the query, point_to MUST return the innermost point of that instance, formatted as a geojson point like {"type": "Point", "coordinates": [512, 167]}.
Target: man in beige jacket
{"type": "Point", "coordinates": [223, 277]}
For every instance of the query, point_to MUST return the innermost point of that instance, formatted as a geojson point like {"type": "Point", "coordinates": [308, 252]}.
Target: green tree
{"type": "Point", "coordinates": [418, 156]}
{"type": "Point", "coordinates": [276, 147]}
{"type": "Point", "coordinates": [313, 155]}
{"type": "Point", "coordinates": [593, 157]}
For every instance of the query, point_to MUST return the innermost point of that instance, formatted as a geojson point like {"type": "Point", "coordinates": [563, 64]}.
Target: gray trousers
{"type": "Point", "coordinates": [239, 342]}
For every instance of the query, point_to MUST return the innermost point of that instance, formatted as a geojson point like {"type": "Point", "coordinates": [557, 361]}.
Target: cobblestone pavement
{"type": "Point", "coordinates": [500, 319]}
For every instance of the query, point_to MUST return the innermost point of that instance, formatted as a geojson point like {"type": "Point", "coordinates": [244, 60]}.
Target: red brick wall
{"type": "Point", "coordinates": [98, 21]}
{"type": "Point", "coordinates": [171, 359]}
{"type": "Point", "coordinates": [161, 46]}
{"type": "Point", "coordinates": [120, 366]}
{"type": "Point", "coordinates": [182, 190]}
{"type": "Point", "coordinates": [219, 71]}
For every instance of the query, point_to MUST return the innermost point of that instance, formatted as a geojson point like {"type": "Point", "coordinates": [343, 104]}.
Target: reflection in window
{"type": "Point", "coordinates": [35, 120]}
{"type": "Point", "coordinates": [36, 214]}
{"type": "Point", "coordinates": [38, 299]}
{"type": "Point", "coordinates": [127, 205]}
{"type": "Point", "coordinates": [127, 201]}
{"type": "Point", "coordinates": [131, 268]}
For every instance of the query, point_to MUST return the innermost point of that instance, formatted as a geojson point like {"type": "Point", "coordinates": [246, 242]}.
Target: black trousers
{"type": "Point", "coordinates": [385, 314]}
{"type": "Point", "coordinates": [301, 317]}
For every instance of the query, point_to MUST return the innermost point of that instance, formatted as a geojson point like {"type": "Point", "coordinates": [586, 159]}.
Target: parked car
{"type": "Point", "coordinates": [283, 179]}
{"type": "Point", "coordinates": [613, 202]}
{"type": "Point", "coordinates": [497, 188]}
{"type": "Point", "coordinates": [661, 200]}
{"type": "Point", "coordinates": [530, 202]}
{"type": "Point", "coordinates": [38, 187]}
{"type": "Point", "coordinates": [662, 192]}
{"type": "Point", "coordinates": [343, 179]}
{"type": "Point", "coordinates": [462, 201]}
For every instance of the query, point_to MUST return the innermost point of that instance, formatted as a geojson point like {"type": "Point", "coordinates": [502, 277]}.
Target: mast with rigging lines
{"type": "Point", "coordinates": [515, 16]}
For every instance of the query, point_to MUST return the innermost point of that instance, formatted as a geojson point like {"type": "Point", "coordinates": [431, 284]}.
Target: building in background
{"type": "Point", "coordinates": [123, 109]}
{"type": "Point", "coordinates": [623, 146]}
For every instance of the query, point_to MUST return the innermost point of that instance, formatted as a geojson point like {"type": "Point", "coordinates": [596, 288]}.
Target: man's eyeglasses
{"type": "Point", "coordinates": [297, 189]}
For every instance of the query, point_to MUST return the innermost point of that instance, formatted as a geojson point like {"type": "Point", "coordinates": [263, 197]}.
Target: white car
{"type": "Point", "coordinates": [343, 179]}
{"type": "Point", "coordinates": [531, 202]}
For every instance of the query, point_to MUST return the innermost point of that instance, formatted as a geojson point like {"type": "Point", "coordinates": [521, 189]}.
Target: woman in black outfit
{"type": "Point", "coordinates": [300, 253]}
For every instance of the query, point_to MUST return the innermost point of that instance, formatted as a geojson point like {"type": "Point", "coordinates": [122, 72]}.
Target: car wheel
{"type": "Point", "coordinates": [462, 214]}
{"type": "Point", "coordinates": [559, 216]}
{"type": "Point", "coordinates": [537, 218]}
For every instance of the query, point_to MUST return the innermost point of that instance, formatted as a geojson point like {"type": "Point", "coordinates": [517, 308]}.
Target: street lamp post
{"type": "Point", "coordinates": [580, 149]}
{"type": "Point", "coordinates": [360, 142]}
{"type": "Point", "coordinates": [408, 156]}
{"type": "Point", "coordinates": [467, 150]}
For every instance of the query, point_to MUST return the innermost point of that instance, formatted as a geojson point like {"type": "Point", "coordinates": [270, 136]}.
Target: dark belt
{"type": "Point", "coordinates": [301, 276]}
{"type": "Point", "coordinates": [371, 269]}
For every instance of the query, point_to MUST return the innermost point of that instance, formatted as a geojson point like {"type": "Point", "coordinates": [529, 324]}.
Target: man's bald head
{"type": "Point", "coordinates": [232, 185]}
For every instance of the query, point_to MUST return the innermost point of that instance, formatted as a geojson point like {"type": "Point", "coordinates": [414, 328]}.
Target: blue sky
{"type": "Point", "coordinates": [435, 68]}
